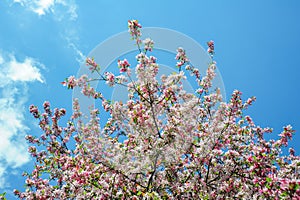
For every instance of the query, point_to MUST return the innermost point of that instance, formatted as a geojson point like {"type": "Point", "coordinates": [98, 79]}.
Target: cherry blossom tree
{"type": "Point", "coordinates": [162, 143]}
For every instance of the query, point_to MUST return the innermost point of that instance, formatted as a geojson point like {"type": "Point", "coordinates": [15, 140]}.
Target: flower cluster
{"type": "Point", "coordinates": [110, 78]}
{"type": "Point", "coordinates": [134, 30]}
{"type": "Point", "coordinates": [70, 82]}
{"type": "Point", "coordinates": [211, 47]}
{"type": "Point", "coordinates": [123, 65]}
{"type": "Point", "coordinates": [148, 44]}
{"type": "Point", "coordinates": [181, 57]}
{"type": "Point", "coordinates": [93, 65]}
{"type": "Point", "coordinates": [163, 143]}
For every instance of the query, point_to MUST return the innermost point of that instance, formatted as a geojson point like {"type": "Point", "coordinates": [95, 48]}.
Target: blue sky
{"type": "Point", "coordinates": [43, 41]}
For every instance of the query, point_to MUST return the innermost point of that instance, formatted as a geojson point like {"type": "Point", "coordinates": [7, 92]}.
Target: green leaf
{"type": "Point", "coordinates": [254, 158]}
{"type": "Point", "coordinates": [284, 194]}
{"type": "Point", "coordinates": [3, 194]}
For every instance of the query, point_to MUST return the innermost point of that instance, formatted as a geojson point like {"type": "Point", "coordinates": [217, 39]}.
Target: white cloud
{"type": "Point", "coordinates": [12, 147]}
{"type": "Point", "coordinates": [80, 57]}
{"type": "Point", "coordinates": [14, 76]}
{"type": "Point", "coordinates": [42, 7]}
{"type": "Point", "coordinates": [23, 71]}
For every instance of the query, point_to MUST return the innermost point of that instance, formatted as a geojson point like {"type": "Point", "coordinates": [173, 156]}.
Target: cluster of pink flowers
{"type": "Point", "coordinates": [34, 111]}
{"type": "Point", "coordinates": [134, 30]}
{"type": "Point", "coordinates": [110, 78]}
{"type": "Point", "coordinates": [211, 47]}
{"type": "Point", "coordinates": [70, 82]}
{"type": "Point", "coordinates": [163, 143]}
{"type": "Point", "coordinates": [148, 43]}
{"type": "Point", "coordinates": [93, 65]}
{"type": "Point", "coordinates": [181, 57]}
{"type": "Point", "coordinates": [123, 65]}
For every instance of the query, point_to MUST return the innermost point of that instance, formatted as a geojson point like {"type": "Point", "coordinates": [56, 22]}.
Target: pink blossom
{"type": "Point", "coordinates": [211, 47]}
{"type": "Point", "coordinates": [148, 44]}
{"type": "Point", "coordinates": [93, 65]}
{"type": "Point", "coordinates": [162, 143]}
{"type": "Point", "coordinates": [123, 65]}
{"type": "Point", "coordinates": [110, 78]}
